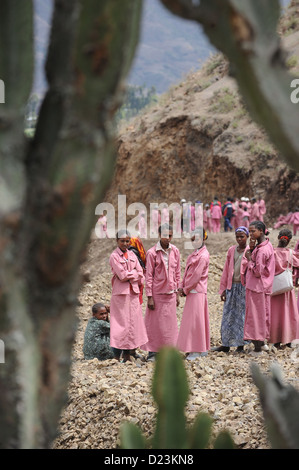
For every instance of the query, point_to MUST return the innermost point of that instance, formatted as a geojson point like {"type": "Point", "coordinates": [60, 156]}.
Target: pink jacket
{"type": "Point", "coordinates": [157, 279]}
{"type": "Point", "coordinates": [216, 212]}
{"type": "Point", "coordinates": [228, 270]}
{"type": "Point", "coordinates": [255, 212]}
{"type": "Point", "coordinates": [196, 272]}
{"type": "Point", "coordinates": [126, 273]}
{"type": "Point", "coordinates": [258, 274]}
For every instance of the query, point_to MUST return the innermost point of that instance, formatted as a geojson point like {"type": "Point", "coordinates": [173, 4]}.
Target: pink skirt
{"type": "Point", "coordinates": [257, 316]}
{"type": "Point", "coordinates": [161, 323]}
{"type": "Point", "coordinates": [127, 329]}
{"type": "Point", "coordinates": [194, 335]}
{"type": "Point", "coordinates": [284, 326]}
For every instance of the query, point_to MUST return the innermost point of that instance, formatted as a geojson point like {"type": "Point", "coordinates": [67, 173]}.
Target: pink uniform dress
{"type": "Point", "coordinates": [162, 279]}
{"type": "Point", "coordinates": [194, 335]}
{"type": "Point", "coordinates": [257, 275]}
{"type": "Point", "coordinates": [262, 209]}
{"type": "Point", "coordinates": [216, 214]}
{"type": "Point", "coordinates": [127, 329]}
{"type": "Point", "coordinates": [255, 212]}
{"type": "Point", "coordinates": [284, 310]}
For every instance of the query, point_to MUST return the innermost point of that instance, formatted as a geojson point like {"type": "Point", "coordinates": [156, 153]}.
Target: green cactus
{"type": "Point", "coordinates": [170, 391]}
{"type": "Point", "coordinates": [280, 405]}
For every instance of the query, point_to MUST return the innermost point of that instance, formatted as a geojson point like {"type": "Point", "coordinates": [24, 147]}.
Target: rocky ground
{"type": "Point", "coordinates": [104, 394]}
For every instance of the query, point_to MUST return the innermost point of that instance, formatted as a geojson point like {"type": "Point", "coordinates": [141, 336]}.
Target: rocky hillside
{"type": "Point", "coordinates": [199, 141]}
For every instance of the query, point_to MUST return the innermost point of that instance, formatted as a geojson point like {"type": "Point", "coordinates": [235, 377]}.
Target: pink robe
{"type": "Point", "coordinates": [257, 275]}
{"type": "Point", "coordinates": [216, 215]}
{"type": "Point", "coordinates": [142, 227]}
{"type": "Point", "coordinates": [254, 213]}
{"type": "Point", "coordinates": [127, 329]}
{"type": "Point", "coordinates": [284, 310]}
{"type": "Point", "coordinates": [262, 209]}
{"type": "Point", "coordinates": [194, 334]}
{"type": "Point", "coordinates": [161, 284]}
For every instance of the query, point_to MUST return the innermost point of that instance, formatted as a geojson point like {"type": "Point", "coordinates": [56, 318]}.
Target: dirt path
{"type": "Point", "coordinates": [103, 394]}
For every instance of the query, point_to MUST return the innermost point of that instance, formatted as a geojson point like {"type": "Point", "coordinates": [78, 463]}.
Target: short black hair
{"type": "Point", "coordinates": [96, 307]}
{"type": "Point", "coordinates": [165, 227]}
{"type": "Point", "coordinates": [123, 232]}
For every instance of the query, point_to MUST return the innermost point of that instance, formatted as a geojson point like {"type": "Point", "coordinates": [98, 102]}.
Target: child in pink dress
{"type": "Point", "coordinates": [127, 329]}
{"type": "Point", "coordinates": [257, 274]}
{"type": "Point", "coordinates": [284, 310]}
{"type": "Point", "coordinates": [194, 334]}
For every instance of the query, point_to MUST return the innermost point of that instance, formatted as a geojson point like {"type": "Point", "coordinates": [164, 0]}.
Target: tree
{"type": "Point", "coordinates": [49, 189]}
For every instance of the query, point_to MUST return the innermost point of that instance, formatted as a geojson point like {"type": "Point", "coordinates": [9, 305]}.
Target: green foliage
{"type": "Point", "coordinates": [280, 405]}
{"type": "Point", "coordinates": [137, 98]}
{"type": "Point", "coordinates": [224, 101]}
{"type": "Point", "coordinates": [170, 391]}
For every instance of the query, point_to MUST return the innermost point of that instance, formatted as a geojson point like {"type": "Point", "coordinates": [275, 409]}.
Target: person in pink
{"type": "Point", "coordinates": [257, 274]}
{"type": "Point", "coordinates": [245, 217]}
{"type": "Point", "coordinates": [127, 328]}
{"type": "Point", "coordinates": [232, 293]}
{"type": "Point", "coordinates": [162, 279]}
{"type": "Point", "coordinates": [192, 216]}
{"type": "Point", "coordinates": [255, 211]}
{"type": "Point", "coordinates": [207, 217]}
{"type": "Point", "coordinates": [262, 208]}
{"type": "Point", "coordinates": [165, 214]}
{"type": "Point", "coordinates": [284, 327]}
{"type": "Point", "coordinates": [216, 214]}
{"type": "Point", "coordinates": [155, 221]}
{"type": "Point", "coordinates": [295, 221]}
{"type": "Point", "coordinates": [194, 334]}
{"type": "Point", "coordinates": [283, 220]}
{"type": "Point", "coordinates": [142, 226]}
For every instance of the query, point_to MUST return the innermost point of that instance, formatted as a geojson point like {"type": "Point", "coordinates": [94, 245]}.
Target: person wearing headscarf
{"type": "Point", "coordinates": [232, 293]}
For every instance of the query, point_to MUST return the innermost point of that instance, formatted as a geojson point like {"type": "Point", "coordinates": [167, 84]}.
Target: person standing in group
{"type": "Point", "coordinates": [262, 208]}
{"type": "Point", "coordinates": [162, 279]}
{"type": "Point", "coordinates": [155, 220]}
{"type": "Point", "coordinates": [232, 293]}
{"type": "Point", "coordinates": [257, 274]}
{"type": "Point", "coordinates": [194, 334]}
{"type": "Point", "coordinates": [127, 329]}
{"type": "Point", "coordinates": [255, 212]}
{"type": "Point", "coordinates": [216, 214]}
{"type": "Point", "coordinates": [142, 225]}
{"type": "Point", "coordinates": [284, 326]}
{"type": "Point", "coordinates": [295, 221]}
{"type": "Point", "coordinates": [207, 218]}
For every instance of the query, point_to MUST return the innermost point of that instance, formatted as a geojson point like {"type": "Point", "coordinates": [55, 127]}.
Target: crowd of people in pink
{"type": "Point", "coordinates": [252, 311]}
